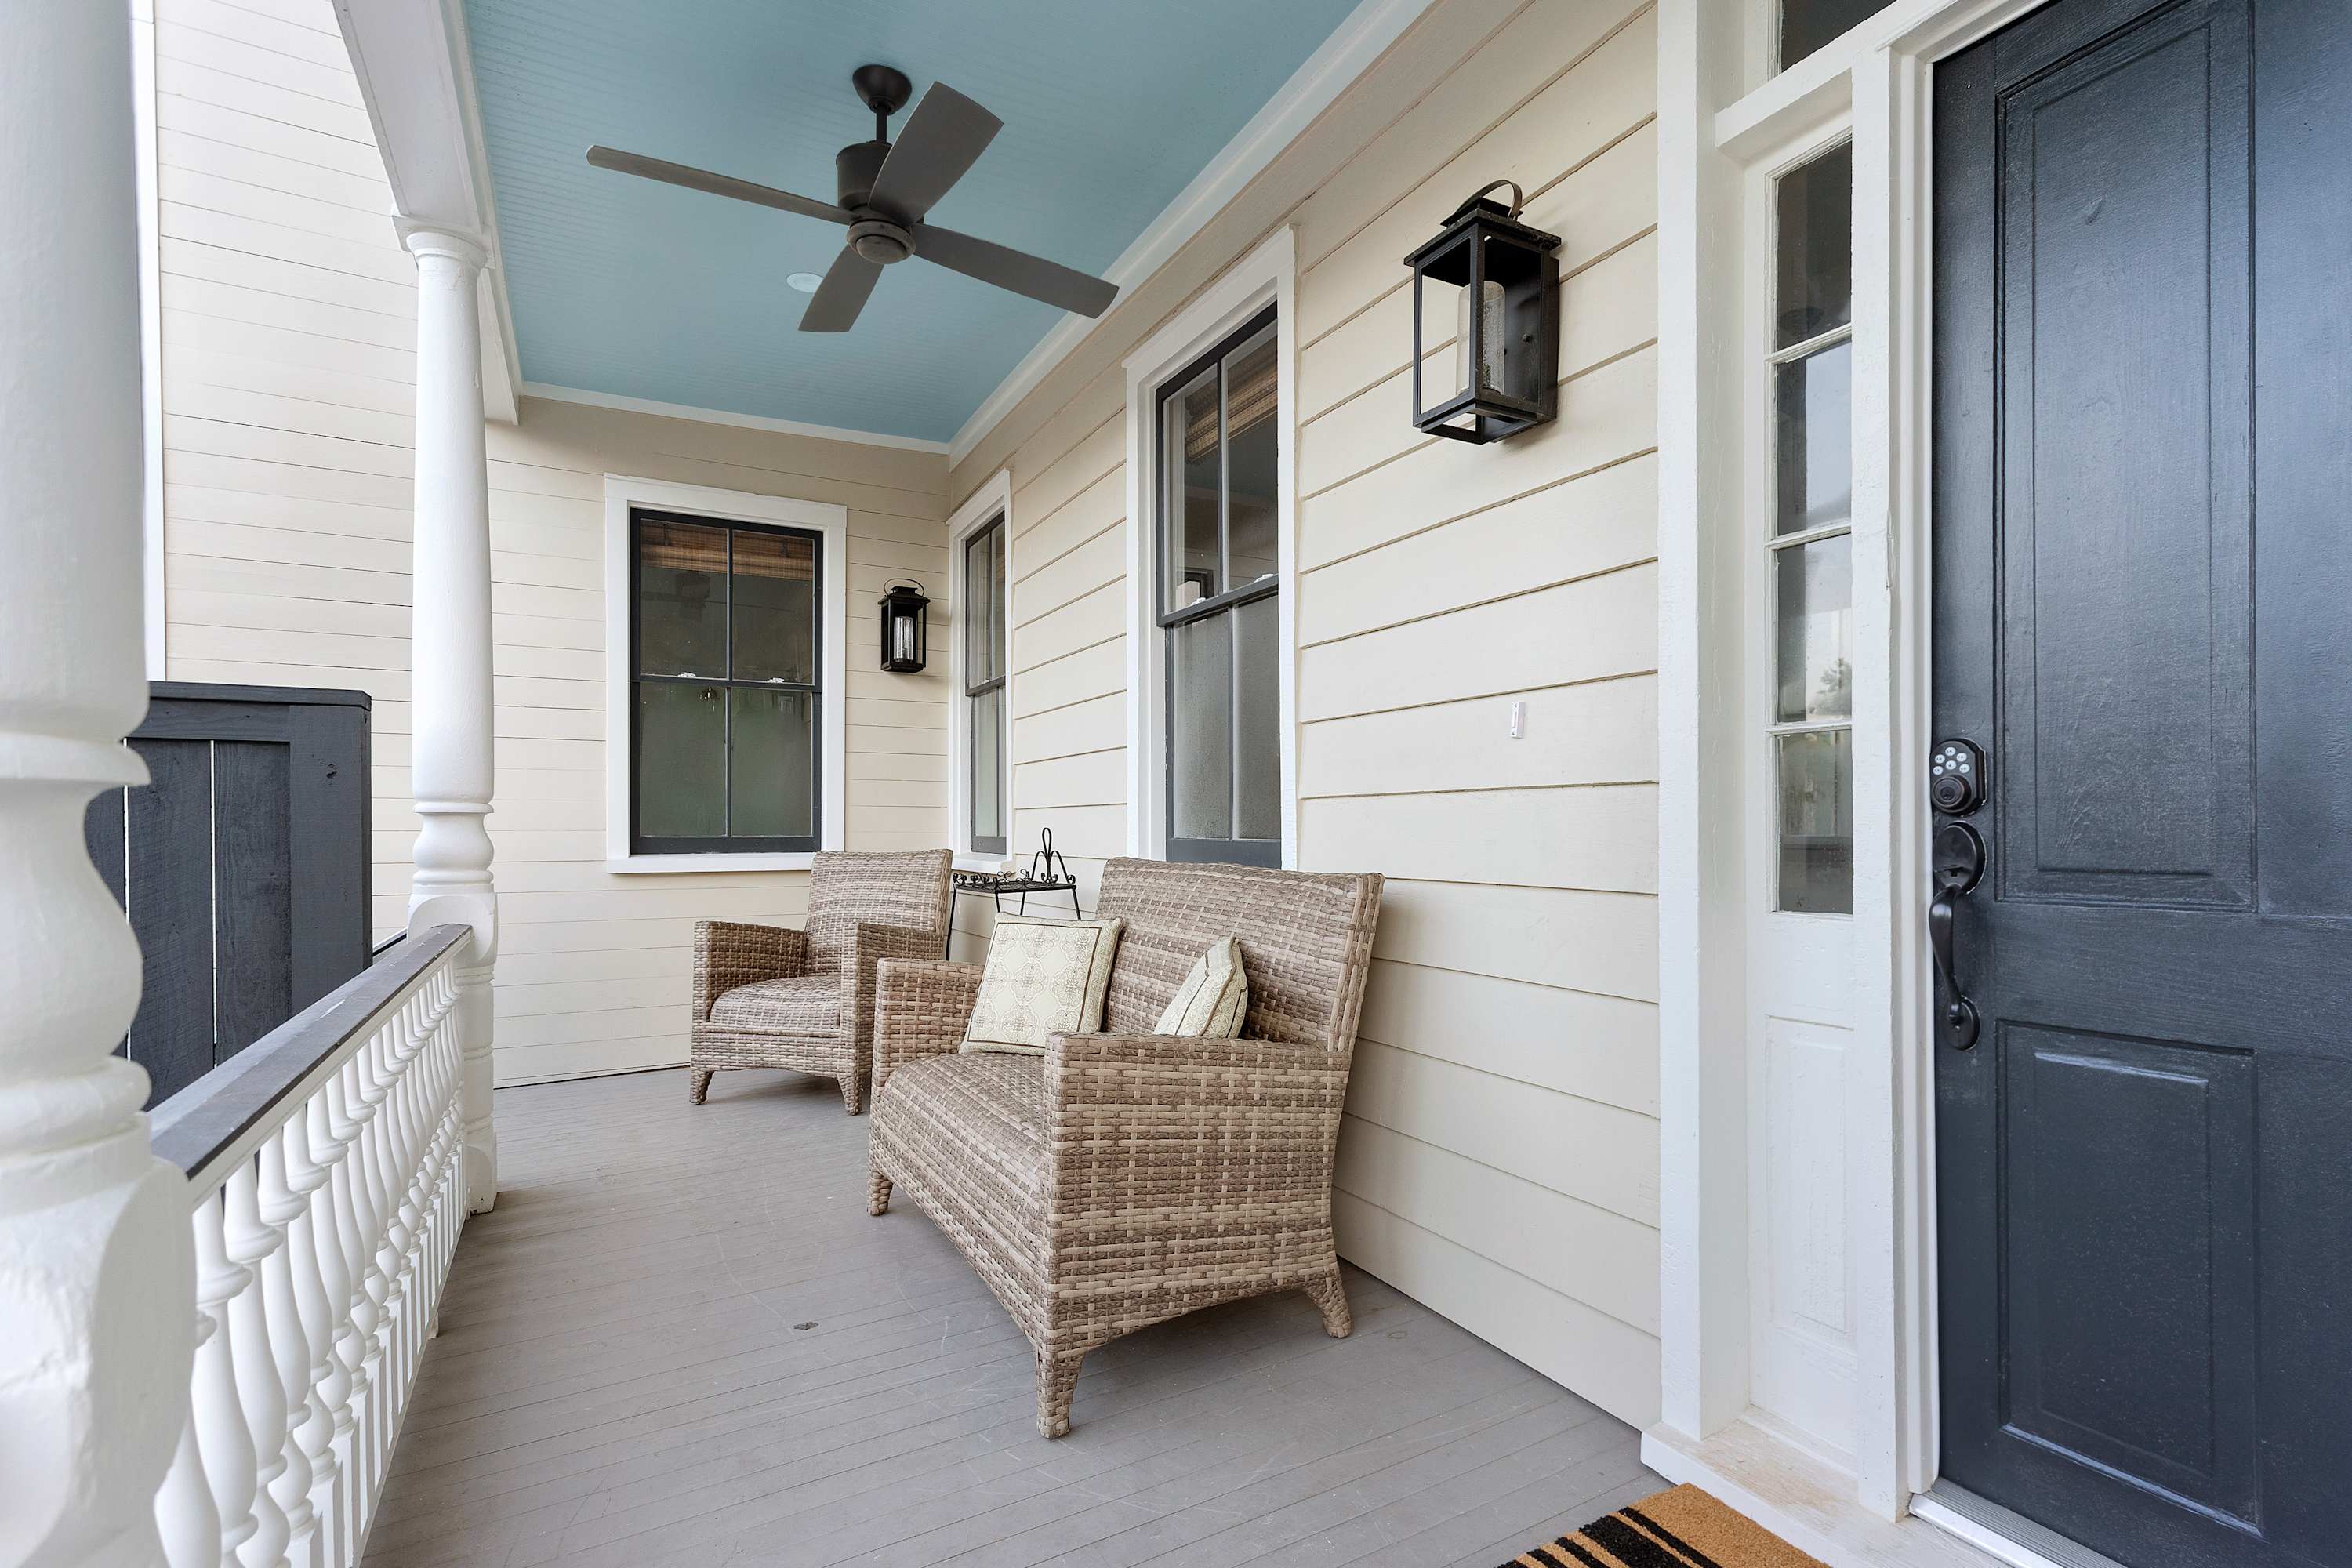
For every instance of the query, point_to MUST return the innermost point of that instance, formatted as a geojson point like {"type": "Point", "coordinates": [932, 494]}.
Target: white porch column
{"type": "Point", "coordinates": [449, 644]}
{"type": "Point", "coordinates": [96, 1265]}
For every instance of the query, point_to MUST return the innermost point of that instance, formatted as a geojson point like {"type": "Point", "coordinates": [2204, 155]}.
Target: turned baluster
{"type": "Point", "coordinates": [332, 1380]}
{"type": "Point", "coordinates": [348, 1117]}
{"type": "Point", "coordinates": [251, 1242]}
{"type": "Point", "coordinates": [291, 1273]}
{"type": "Point", "coordinates": [186, 1517]}
{"type": "Point", "coordinates": [374, 1176]}
{"type": "Point", "coordinates": [407, 1127]}
{"type": "Point", "coordinates": [223, 1440]}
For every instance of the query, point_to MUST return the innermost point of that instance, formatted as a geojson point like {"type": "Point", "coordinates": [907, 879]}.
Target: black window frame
{"type": "Point", "coordinates": [731, 843]}
{"type": "Point", "coordinates": [997, 611]}
{"type": "Point", "coordinates": [1231, 851]}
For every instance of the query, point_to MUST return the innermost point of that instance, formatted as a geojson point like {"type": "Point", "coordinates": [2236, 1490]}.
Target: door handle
{"type": "Point", "coordinates": [1957, 864]}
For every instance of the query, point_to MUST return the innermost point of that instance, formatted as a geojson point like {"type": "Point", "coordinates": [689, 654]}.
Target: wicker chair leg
{"type": "Point", "coordinates": [697, 1085]}
{"type": "Point", "coordinates": [1057, 1380]}
{"type": "Point", "coordinates": [853, 1095]}
{"type": "Point", "coordinates": [877, 1193]}
{"type": "Point", "coordinates": [1331, 1298]}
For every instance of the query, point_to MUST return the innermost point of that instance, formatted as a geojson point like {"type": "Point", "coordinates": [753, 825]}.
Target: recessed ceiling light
{"type": "Point", "coordinates": [805, 282]}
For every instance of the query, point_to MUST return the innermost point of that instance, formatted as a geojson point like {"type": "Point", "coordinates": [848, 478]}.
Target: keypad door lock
{"type": "Point", "coordinates": [1956, 777]}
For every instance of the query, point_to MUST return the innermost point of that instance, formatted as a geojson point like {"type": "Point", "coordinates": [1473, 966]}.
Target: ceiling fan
{"type": "Point", "coordinates": [885, 190]}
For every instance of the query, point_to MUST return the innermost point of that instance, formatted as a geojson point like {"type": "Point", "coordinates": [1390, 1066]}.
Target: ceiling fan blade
{"type": "Point", "coordinates": [945, 136]}
{"type": "Point", "coordinates": [716, 185]}
{"type": "Point", "coordinates": [834, 307]}
{"type": "Point", "coordinates": [1015, 269]}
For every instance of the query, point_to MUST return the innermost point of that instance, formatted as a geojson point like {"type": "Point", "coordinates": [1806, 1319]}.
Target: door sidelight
{"type": "Point", "coordinates": [1956, 865]}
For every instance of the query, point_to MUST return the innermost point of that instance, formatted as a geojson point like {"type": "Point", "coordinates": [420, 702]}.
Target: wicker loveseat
{"type": "Point", "coordinates": [769, 997]}
{"type": "Point", "coordinates": [1123, 1178]}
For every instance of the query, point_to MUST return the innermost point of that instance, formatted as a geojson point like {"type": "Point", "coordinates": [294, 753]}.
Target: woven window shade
{"type": "Point", "coordinates": [678, 547]}
{"type": "Point", "coordinates": [1249, 400]}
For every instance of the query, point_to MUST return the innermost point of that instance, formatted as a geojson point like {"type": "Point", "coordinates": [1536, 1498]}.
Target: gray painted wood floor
{"type": "Point", "coordinates": [680, 1339]}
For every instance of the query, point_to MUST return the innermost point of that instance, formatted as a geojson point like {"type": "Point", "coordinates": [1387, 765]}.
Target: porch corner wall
{"type": "Point", "coordinates": [1500, 1156]}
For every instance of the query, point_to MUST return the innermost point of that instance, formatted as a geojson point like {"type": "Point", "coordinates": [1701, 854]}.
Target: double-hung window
{"type": "Point", "coordinates": [983, 686]}
{"type": "Point", "coordinates": [725, 677]}
{"type": "Point", "coordinates": [1218, 579]}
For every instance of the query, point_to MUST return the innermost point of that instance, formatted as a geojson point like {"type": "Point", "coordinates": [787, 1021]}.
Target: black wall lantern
{"type": "Point", "coordinates": [904, 643]}
{"type": "Point", "coordinates": [1494, 282]}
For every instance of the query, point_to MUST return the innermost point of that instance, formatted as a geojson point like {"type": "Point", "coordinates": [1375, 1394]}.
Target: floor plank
{"type": "Point", "coordinates": [679, 1339]}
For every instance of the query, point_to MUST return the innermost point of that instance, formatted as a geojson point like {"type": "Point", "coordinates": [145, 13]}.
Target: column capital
{"type": "Point", "coordinates": [424, 237]}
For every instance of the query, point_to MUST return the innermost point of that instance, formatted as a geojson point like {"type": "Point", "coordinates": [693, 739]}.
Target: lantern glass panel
{"type": "Point", "coordinates": [1445, 345]}
{"type": "Point", "coordinates": [905, 634]}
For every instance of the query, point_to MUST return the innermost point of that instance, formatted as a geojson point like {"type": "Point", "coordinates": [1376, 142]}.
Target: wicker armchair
{"type": "Point", "coordinates": [1123, 1178]}
{"type": "Point", "coordinates": [769, 997]}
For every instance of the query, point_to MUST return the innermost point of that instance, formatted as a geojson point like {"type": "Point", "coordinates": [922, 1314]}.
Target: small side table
{"type": "Point", "coordinates": [999, 886]}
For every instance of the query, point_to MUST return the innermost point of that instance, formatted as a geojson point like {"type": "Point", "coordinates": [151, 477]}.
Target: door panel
{"type": "Point", "coordinates": [2124, 679]}
{"type": "Point", "coordinates": [2143, 561]}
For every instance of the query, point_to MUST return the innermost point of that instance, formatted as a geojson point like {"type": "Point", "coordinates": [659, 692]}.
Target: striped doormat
{"type": "Point", "coordinates": [1681, 1528]}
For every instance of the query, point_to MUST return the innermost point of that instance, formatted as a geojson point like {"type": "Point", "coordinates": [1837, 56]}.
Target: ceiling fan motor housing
{"type": "Point", "coordinates": [880, 240]}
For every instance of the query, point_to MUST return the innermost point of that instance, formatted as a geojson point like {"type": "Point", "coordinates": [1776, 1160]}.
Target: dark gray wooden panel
{"type": "Point", "coordinates": [254, 868]}
{"type": "Point", "coordinates": [171, 888]}
{"type": "Point", "coordinates": [2126, 672]}
{"type": "Point", "coordinates": [101, 835]}
{"type": "Point", "coordinates": [2131, 1319]}
{"type": "Point", "coordinates": [327, 820]}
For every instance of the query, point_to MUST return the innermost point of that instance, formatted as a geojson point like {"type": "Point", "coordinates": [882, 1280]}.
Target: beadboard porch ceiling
{"type": "Point", "coordinates": [626, 288]}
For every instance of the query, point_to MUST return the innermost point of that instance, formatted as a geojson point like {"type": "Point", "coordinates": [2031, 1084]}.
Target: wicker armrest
{"type": "Point", "coordinates": [728, 953]}
{"type": "Point", "coordinates": [1226, 1121]}
{"type": "Point", "coordinates": [920, 1009]}
{"type": "Point", "coordinates": [870, 943]}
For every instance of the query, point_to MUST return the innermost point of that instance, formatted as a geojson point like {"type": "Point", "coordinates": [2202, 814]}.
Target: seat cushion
{"type": "Point", "coordinates": [966, 1134]}
{"type": "Point", "coordinates": [807, 1005]}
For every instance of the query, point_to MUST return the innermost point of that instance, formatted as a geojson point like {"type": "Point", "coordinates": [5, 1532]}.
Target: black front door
{"type": "Point", "coordinates": [2143, 617]}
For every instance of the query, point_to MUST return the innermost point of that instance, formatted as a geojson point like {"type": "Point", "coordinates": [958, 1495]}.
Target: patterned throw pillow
{"type": "Point", "coordinates": [1214, 999]}
{"type": "Point", "coordinates": [1044, 977]}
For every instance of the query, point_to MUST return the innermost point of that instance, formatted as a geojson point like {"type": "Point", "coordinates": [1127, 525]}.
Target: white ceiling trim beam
{"type": "Point", "coordinates": [724, 416]}
{"type": "Point", "coordinates": [417, 77]}
{"type": "Point", "coordinates": [1327, 73]}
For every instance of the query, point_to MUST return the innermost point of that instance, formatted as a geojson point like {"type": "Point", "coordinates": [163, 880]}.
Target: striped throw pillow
{"type": "Point", "coordinates": [1214, 999]}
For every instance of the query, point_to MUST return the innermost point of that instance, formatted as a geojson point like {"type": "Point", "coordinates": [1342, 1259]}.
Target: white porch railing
{"type": "Point", "coordinates": [325, 1173]}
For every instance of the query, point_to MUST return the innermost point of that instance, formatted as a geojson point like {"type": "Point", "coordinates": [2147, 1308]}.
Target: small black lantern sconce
{"type": "Point", "coordinates": [905, 640]}
{"type": "Point", "coordinates": [1496, 281]}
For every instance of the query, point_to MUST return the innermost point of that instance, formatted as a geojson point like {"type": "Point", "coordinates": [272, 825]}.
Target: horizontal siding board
{"type": "Point", "coordinates": [1573, 1042]}
{"type": "Point", "coordinates": [1602, 1259]}
{"type": "Point", "coordinates": [1608, 1361]}
{"type": "Point", "coordinates": [1597, 1154]}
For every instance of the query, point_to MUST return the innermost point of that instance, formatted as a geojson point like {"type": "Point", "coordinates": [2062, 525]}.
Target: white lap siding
{"type": "Point", "coordinates": [1500, 1157]}
{"type": "Point", "coordinates": [288, 350]}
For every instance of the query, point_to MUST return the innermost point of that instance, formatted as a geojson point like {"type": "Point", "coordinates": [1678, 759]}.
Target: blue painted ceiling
{"type": "Point", "coordinates": [623, 286]}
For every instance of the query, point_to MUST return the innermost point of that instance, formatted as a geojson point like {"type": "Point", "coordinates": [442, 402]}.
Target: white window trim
{"type": "Point", "coordinates": [992, 500]}
{"type": "Point", "coordinates": [1268, 275]}
{"type": "Point", "coordinates": [623, 491]}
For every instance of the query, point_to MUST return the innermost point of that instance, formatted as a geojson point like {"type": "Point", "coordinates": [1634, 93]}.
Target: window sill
{"type": "Point", "coordinates": [643, 865]}
{"type": "Point", "coordinates": [966, 860]}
